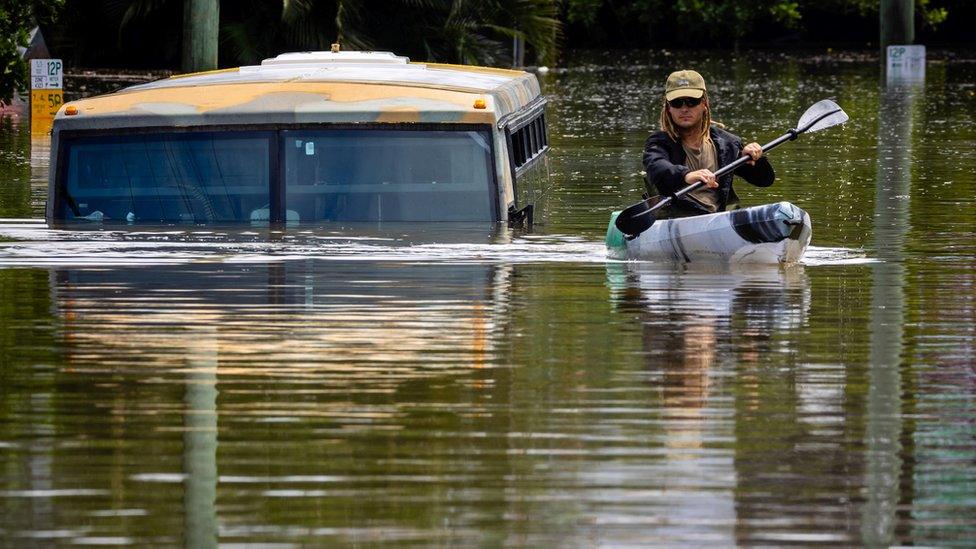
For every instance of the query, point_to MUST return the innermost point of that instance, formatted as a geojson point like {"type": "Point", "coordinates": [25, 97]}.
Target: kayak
{"type": "Point", "coordinates": [771, 233]}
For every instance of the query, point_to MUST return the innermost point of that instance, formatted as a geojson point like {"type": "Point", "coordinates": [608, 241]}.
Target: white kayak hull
{"type": "Point", "coordinates": [770, 234]}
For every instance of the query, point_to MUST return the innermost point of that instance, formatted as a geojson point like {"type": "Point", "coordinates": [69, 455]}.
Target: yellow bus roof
{"type": "Point", "coordinates": [313, 87]}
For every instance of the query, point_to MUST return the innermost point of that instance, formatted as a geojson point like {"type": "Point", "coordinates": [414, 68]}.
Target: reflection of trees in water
{"type": "Point", "coordinates": [940, 441]}
{"type": "Point", "coordinates": [27, 348]}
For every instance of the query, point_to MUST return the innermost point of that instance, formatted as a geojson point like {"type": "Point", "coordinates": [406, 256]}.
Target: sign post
{"type": "Point", "coordinates": [46, 96]}
{"type": "Point", "coordinates": [896, 23]}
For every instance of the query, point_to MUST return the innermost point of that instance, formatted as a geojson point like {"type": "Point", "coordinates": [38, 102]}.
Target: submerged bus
{"type": "Point", "coordinates": [305, 138]}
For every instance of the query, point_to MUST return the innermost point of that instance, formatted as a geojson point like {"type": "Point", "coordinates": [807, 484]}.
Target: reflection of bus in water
{"type": "Point", "coordinates": [302, 318]}
{"type": "Point", "coordinates": [306, 137]}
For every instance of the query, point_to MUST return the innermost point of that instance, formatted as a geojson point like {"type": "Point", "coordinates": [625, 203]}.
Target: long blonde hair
{"type": "Point", "coordinates": [667, 124]}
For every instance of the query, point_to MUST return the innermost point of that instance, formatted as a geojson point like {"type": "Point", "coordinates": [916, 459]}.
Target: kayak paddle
{"type": "Point", "coordinates": [639, 217]}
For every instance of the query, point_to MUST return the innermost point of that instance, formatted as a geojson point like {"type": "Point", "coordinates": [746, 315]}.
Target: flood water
{"type": "Point", "coordinates": [478, 385]}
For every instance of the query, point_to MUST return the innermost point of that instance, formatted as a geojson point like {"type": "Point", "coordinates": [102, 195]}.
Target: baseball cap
{"type": "Point", "coordinates": [684, 84]}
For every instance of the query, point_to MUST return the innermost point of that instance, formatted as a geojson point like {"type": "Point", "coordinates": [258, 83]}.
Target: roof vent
{"type": "Point", "coordinates": [338, 57]}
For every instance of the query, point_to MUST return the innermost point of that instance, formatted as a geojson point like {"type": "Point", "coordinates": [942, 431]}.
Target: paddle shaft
{"type": "Point", "coordinates": [788, 136]}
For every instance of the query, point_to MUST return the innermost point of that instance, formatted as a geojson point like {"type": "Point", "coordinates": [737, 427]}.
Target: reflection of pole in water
{"type": "Point", "coordinates": [891, 213]}
{"type": "Point", "coordinates": [200, 445]}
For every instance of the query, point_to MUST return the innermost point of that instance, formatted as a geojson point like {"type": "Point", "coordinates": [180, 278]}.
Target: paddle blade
{"type": "Point", "coordinates": [635, 219]}
{"type": "Point", "coordinates": [821, 115]}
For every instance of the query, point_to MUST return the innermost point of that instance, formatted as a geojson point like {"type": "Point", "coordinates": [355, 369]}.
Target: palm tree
{"type": "Point", "coordinates": [455, 31]}
{"type": "Point", "coordinates": [481, 32]}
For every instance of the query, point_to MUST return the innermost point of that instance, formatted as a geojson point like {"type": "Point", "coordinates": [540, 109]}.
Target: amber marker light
{"type": "Point", "coordinates": [480, 104]}
{"type": "Point", "coordinates": [71, 110]}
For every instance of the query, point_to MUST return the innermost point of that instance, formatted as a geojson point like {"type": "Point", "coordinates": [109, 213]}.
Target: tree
{"type": "Point", "coordinates": [456, 31]}
{"type": "Point", "coordinates": [709, 23]}
{"type": "Point", "coordinates": [928, 15]}
{"type": "Point", "coordinates": [719, 23]}
{"type": "Point", "coordinates": [17, 18]}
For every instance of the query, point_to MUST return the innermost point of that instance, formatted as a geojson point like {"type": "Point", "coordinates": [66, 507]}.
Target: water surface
{"type": "Point", "coordinates": [477, 384]}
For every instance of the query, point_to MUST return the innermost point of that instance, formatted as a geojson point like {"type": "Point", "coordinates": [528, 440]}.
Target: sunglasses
{"type": "Point", "coordinates": [685, 102]}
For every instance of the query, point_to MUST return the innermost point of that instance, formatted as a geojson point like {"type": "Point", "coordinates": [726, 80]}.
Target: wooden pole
{"type": "Point", "coordinates": [897, 24]}
{"type": "Point", "coordinates": [201, 19]}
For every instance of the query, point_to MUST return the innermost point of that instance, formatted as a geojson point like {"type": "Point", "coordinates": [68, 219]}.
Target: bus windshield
{"type": "Point", "coordinates": [356, 174]}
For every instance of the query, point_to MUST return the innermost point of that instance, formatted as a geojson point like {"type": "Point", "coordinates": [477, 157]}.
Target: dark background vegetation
{"type": "Point", "coordinates": [147, 34]}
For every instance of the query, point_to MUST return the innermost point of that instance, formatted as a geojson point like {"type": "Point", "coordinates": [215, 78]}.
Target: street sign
{"type": "Point", "coordinates": [45, 103]}
{"type": "Point", "coordinates": [46, 74]}
{"type": "Point", "coordinates": [47, 77]}
{"type": "Point", "coordinates": [906, 64]}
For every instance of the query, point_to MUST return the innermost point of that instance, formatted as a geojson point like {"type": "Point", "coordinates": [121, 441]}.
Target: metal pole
{"type": "Point", "coordinates": [897, 20]}
{"type": "Point", "coordinates": [201, 20]}
{"type": "Point", "coordinates": [518, 52]}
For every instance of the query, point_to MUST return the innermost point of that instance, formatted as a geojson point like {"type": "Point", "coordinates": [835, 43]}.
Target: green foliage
{"type": "Point", "coordinates": [786, 13]}
{"type": "Point", "coordinates": [102, 33]}
{"type": "Point", "coordinates": [929, 16]}
{"type": "Point", "coordinates": [17, 18]}
{"type": "Point", "coordinates": [583, 11]}
{"type": "Point", "coordinates": [248, 39]}
{"type": "Point", "coordinates": [708, 23]}
{"type": "Point", "coordinates": [717, 23]}
{"type": "Point", "coordinates": [455, 31]}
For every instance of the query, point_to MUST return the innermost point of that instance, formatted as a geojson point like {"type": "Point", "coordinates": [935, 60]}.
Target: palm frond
{"type": "Point", "coordinates": [294, 10]}
{"type": "Point", "coordinates": [137, 9]}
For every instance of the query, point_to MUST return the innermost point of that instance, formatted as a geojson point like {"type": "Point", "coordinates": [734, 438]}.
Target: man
{"type": "Point", "coordinates": [690, 148]}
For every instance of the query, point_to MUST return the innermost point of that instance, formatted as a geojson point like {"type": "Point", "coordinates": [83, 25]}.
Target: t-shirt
{"type": "Point", "coordinates": [704, 158]}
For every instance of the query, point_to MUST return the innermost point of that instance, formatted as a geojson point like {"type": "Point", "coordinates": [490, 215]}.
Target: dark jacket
{"type": "Point", "coordinates": [664, 160]}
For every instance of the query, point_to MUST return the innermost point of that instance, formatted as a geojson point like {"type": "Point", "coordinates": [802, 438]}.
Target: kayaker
{"type": "Point", "coordinates": [690, 147]}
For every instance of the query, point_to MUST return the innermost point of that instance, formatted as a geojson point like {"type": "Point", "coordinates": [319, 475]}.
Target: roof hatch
{"type": "Point", "coordinates": [337, 58]}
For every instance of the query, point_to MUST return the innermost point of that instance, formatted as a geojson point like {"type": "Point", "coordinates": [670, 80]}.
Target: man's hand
{"type": "Point", "coordinates": [701, 175]}
{"type": "Point", "coordinates": [754, 151]}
